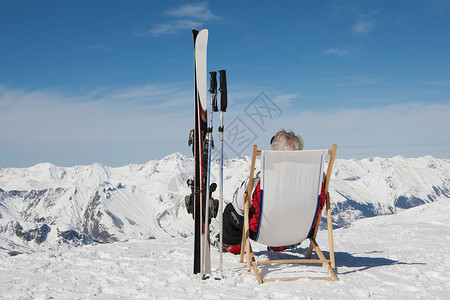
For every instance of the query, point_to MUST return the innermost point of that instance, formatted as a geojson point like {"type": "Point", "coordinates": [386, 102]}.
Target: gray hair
{"type": "Point", "coordinates": [284, 140]}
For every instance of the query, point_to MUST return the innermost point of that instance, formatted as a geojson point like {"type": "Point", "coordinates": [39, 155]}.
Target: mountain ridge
{"type": "Point", "coordinates": [50, 205]}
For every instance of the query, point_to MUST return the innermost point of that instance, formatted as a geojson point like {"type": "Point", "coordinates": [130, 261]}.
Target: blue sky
{"type": "Point", "coordinates": [112, 81]}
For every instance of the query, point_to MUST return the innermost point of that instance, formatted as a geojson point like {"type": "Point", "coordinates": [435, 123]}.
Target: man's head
{"type": "Point", "coordinates": [283, 140]}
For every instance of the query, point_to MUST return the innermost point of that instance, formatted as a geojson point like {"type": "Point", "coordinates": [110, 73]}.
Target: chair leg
{"type": "Point", "coordinates": [247, 199]}
{"type": "Point", "coordinates": [323, 259]}
{"type": "Point", "coordinates": [241, 260]}
{"type": "Point", "coordinates": [255, 265]}
{"type": "Point", "coordinates": [330, 232]}
{"type": "Point", "coordinates": [245, 242]}
{"type": "Point", "coordinates": [308, 255]}
{"type": "Point", "coordinates": [249, 253]}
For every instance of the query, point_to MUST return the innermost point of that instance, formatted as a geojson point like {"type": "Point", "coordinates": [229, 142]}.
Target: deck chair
{"type": "Point", "coordinates": [290, 185]}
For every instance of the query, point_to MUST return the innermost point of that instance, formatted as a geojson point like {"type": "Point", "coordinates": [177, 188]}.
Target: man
{"type": "Point", "coordinates": [233, 215]}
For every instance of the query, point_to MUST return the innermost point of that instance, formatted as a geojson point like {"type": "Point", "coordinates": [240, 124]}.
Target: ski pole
{"type": "Point", "coordinates": [223, 108]}
{"type": "Point", "coordinates": [213, 91]}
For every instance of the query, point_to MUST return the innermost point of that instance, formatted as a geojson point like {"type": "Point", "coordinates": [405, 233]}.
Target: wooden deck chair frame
{"type": "Point", "coordinates": [246, 248]}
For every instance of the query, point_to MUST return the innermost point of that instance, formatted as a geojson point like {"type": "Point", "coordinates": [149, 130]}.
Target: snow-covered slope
{"type": "Point", "coordinates": [48, 206]}
{"type": "Point", "coordinates": [401, 256]}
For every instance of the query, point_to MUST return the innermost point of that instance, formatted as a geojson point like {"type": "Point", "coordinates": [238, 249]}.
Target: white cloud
{"type": "Point", "coordinates": [409, 129]}
{"type": "Point", "coordinates": [109, 127]}
{"type": "Point", "coordinates": [134, 125]}
{"type": "Point", "coordinates": [363, 26]}
{"type": "Point", "coordinates": [198, 11]}
{"type": "Point", "coordinates": [185, 17]}
{"type": "Point", "coordinates": [285, 100]}
{"type": "Point", "coordinates": [170, 27]}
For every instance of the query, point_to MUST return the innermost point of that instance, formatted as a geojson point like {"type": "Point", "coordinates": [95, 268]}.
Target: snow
{"type": "Point", "coordinates": [138, 212]}
{"type": "Point", "coordinates": [402, 256]}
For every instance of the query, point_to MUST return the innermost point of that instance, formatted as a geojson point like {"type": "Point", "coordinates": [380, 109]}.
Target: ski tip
{"type": "Point", "coordinates": [201, 30]}
{"type": "Point", "coordinates": [199, 34]}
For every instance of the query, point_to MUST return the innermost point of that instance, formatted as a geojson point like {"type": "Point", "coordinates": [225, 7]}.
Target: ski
{"type": "Point", "coordinates": [202, 261]}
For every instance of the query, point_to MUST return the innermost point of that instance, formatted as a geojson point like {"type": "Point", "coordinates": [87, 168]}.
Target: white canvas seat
{"type": "Point", "coordinates": [290, 181]}
{"type": "Point", "coordinates": [290, 187]}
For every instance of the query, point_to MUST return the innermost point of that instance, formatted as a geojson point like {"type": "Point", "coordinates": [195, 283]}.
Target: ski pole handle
{"type": "Point", "coordinates": [213, 83]}
{"type": "Point", "coordinates": [213, 90]}
{"type": "Point", "coordinates": [223, 90]}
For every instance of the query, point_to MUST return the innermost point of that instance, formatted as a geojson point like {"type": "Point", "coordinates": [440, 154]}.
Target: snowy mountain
{"type": "Point", "coordinates": [378, 186]}
{"type": "Point", "coordinates": [46, 206]}
{"type": "Point", "coordinates": [81, 204]}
